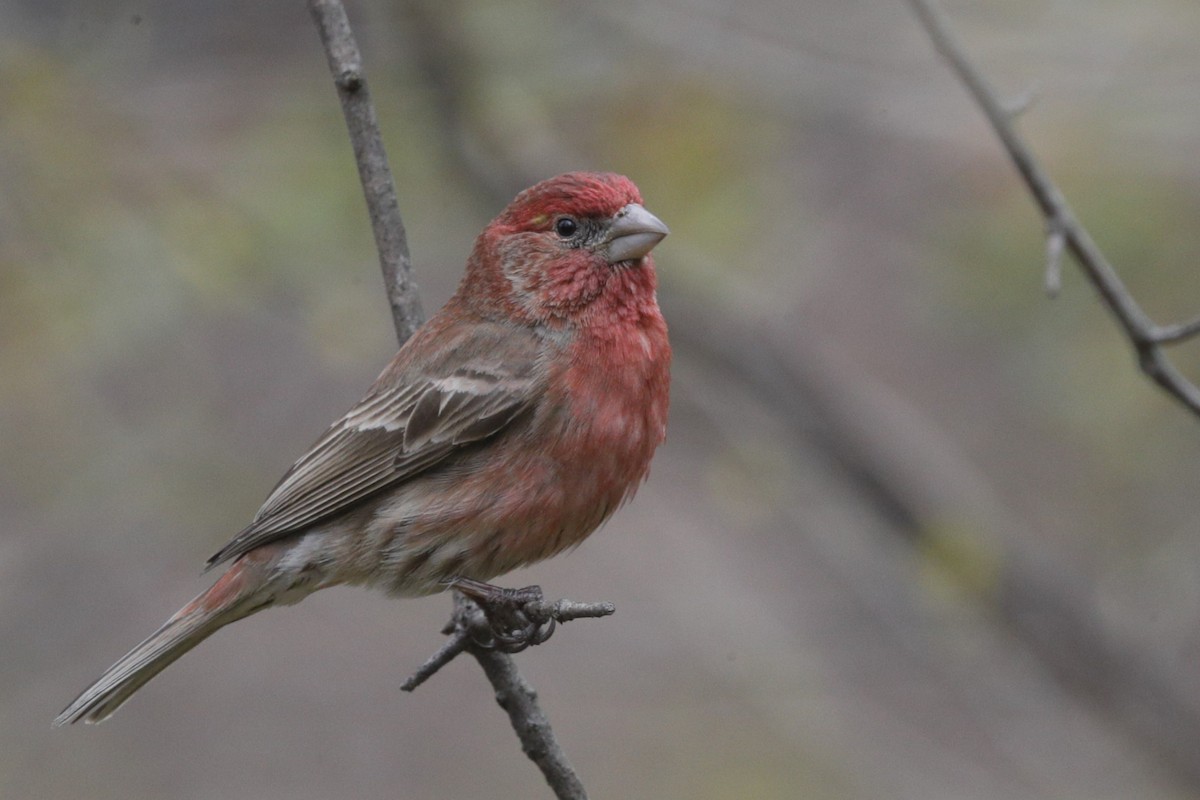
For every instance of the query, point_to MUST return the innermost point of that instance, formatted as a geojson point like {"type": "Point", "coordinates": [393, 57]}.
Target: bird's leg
{"type": "Point", "coordinates": [517, 617]}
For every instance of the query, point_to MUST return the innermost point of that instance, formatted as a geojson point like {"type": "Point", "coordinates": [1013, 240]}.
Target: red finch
{"type": "Point", "coordinates": [508, 428]}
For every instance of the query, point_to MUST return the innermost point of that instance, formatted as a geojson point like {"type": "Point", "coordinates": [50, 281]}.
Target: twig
{"type": "Point", "coordinates": [469, 626]}
{"type": "Point", "coordinates": [567, 610]}
{"type": "Point", "coordinates": [1023, 102]}
{"type": "Point", "coordinates": [1174, 334]}
{"type": "Point", "coordinates": [467, 629]}
{"type": "Point", "coordinates": [1145, 337]}
{"type": "Point", "coordinates": [513, 692]}
{"type": "Point", "coordinates": [345, 63]}
{"type": "Point", "coordinates": [1056, 242]}
{"type": "Point", "coordinates": [458, 641]}
{"type": "Point", "coordinates": [1120, 676]}
{"type": "Point", "coordinates": [517, 697]}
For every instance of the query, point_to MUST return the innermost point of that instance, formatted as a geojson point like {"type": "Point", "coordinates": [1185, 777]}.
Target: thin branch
{"type": "Point", "coordinates": [469, 625]}
{"type": "Point", "coordinates": [567, 610]}
{"type": "Point", "coordinates": [345, 63]}
{"type": "Point", "coordinates": [517, 697]}
{"type": "Point", "coordinates": [1143, 334]}
{"type": "Point", "coordinates": [468, 629]}
{"type": "Point", "coordinates": [458, 641]}
{"type": "Point", "coordinates": [513, 692]}
{"type": "Point", "coordinates": [1174, 334]}
{"type": "Point", "coordinates": [1056, 242]}
{"type": "Point", "coordinates": [1023, 102]}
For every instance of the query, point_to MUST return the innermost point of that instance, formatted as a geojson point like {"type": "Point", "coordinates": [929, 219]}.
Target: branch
{"type": "Point", "coordinates": [513, 692]}
{"type": "Point", "coordinates": [517, 697]}
{"type": "Point", "coordinates": [467, 629]}
{"type": "Point", "coordinates": [1063, 229]}
{"type": "Point", "coordinates": [470, 627]}
{"type": "Point", "coordinates": [911, 474]}
{"type": "Point", "coordinates": [345, 63]}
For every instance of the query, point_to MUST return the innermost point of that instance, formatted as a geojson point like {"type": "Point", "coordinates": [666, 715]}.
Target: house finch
{"type": "Point", "coordinates": [508, 428]}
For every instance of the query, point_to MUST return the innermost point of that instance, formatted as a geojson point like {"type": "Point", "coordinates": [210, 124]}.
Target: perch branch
{"type": "Point", "coordinates": [513, 692]}
{"type": "Point", "coordinates": [1144, 335]}
{"type": "Point", "coordinates": [469, 626]}
{"type": "Point", "coordinates": [467, 629]}
{"type": "Point", "coordinates": [519, 700]}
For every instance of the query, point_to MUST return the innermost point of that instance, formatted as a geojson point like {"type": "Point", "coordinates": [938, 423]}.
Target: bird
{"type": "Point", "coordinates": [509, 427]}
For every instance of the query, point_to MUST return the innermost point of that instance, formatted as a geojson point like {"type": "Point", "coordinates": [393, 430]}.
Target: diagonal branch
{"type": "Point", "coordinates": [513, 692]}
{"type": "Point", "coordinates": [519, 699]}
{"type": "Point", "coordinates": [345, 63]}
{"type": "Point", "coordinates": [900, 465]}
{"type": "Point", "coordinates": [468, 627]}
{"type": "Point", "coordinates": [1144, 335]}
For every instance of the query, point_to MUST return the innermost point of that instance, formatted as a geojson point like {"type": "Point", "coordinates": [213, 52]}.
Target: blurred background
{"type": "Point", "coordinates": [917, 531]}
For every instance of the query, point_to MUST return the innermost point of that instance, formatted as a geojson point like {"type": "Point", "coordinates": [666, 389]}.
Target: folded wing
{"type": "Point", "coordinates": [468, 392]}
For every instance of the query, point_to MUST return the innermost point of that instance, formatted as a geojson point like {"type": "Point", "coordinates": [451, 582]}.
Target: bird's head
{"type": "Point", "coordinates": [565, 243]}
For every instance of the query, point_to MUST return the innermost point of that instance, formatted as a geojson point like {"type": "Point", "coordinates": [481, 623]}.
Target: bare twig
{"type": "Point", "coordinates": [467, 629]}
{"type": "Point", "coordinates": [469, 626]}
{"type": "Point", "coordinates": [1023, 102]}
{"type": "Point", "coordinates": [1174, 334]}
{"type": "Point", "coordinates": [458, 641]}
{"type": "Point", "coordinates": [513, 692]}
{"type": "Point", "coordinates": [567, 610]}
{"type": "Point", "coordinates": [1128, 683]}
{"type": "Point", "coordinates": [1056, 242]}
{"type": "Point", "coordinates": [345, 62]}
{"type": "Point", "coordinates": [1145, 337]}
{"type": "Point", "coordinates": [517, 697]}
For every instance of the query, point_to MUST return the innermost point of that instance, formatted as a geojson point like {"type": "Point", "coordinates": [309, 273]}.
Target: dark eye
{"type": "Point", "coordinates": [565, 227]}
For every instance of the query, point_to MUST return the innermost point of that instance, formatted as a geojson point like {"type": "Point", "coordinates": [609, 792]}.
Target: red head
{"type": "Point", "coordinates": [562, 245]}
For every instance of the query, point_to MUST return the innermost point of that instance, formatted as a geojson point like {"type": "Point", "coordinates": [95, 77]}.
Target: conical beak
{"type": "Point", "coordinates": [633, 233]}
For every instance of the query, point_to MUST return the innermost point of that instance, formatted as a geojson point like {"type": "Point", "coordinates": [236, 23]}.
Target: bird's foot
{"type": "Point", "coordinates": [517, 618]}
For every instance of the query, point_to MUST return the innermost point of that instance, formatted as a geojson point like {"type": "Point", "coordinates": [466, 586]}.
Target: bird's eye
{"type": "Point", "coordinates": [566, 227]}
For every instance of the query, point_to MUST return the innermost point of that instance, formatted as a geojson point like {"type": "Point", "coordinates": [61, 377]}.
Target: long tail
{"type": "Point", "coordinates": [236, 595]}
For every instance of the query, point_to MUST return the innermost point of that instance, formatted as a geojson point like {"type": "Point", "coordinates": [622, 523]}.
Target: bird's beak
{"type": "Point", "coordinates": [633, 233]}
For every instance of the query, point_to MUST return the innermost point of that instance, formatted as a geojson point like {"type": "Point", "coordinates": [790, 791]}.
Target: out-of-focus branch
{"type": "Point", "coordinates": [900, 464]}
{"type": "Point", "coordinates": [513, 692]}
{"type": "Point", "coordinates": [1064, 229]}
{"type": "Point", "coordinates": [345, 63]}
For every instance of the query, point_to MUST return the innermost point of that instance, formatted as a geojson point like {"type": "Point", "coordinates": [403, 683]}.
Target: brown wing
{"type": "Point", "coordinates": [400, 429]}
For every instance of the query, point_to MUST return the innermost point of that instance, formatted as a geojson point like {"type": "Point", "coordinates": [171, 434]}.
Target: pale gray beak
{"type": "Point", "coordinates": [633, 233]}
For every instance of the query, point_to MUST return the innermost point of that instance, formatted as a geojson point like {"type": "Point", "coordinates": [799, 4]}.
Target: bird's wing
{"type": "Point", "coordinates": [470, 387]}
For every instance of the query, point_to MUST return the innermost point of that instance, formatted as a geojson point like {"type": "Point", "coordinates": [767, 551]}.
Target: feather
{"type": "Point", "coordinates": [405, 425]}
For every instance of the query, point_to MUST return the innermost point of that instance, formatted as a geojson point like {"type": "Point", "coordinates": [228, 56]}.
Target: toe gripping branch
{"type": "Point", "coordinates": [490, 617]}
{"type": "Point", "coordinates": [516, 618]}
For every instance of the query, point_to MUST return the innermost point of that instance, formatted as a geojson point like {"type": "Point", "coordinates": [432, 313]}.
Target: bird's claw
{"type": "Point", "coordinates": [517, 639]}
{"type": "Point", "coordinates": [512, 627]}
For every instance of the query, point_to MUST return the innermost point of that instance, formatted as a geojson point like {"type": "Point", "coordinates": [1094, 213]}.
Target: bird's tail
{"type": "Point", "coordinates": [234, 596]}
